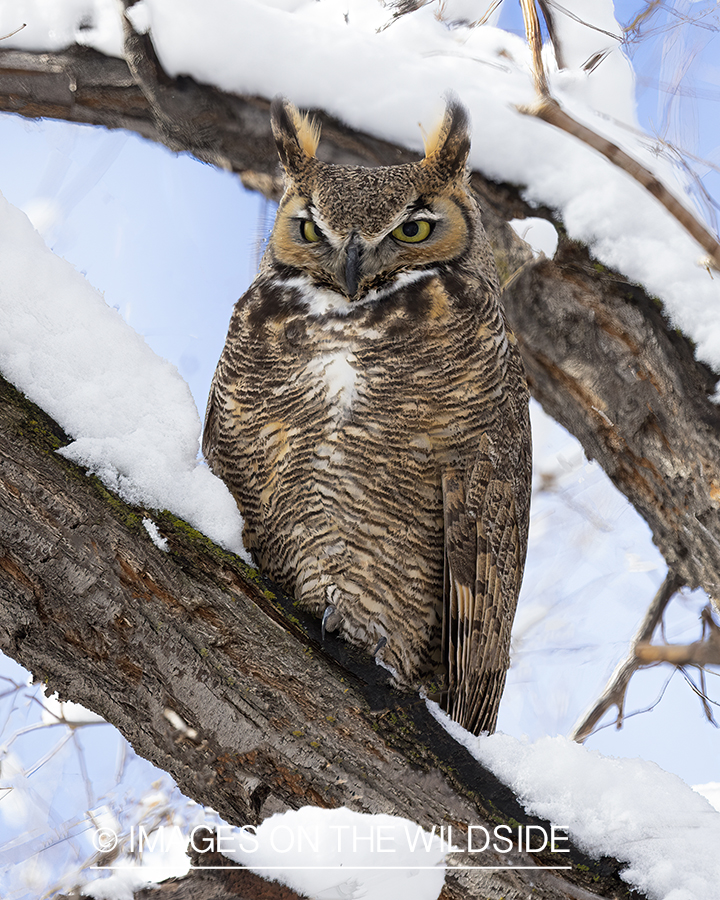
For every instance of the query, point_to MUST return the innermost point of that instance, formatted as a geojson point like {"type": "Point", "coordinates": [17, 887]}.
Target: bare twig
{"type": "Point", "coordinates": [488, 12]}
{"type": "Point", "coordinates": [548, 15]}
{"type": "Point", "coordinates": [403, 8]}
{"type": "Point", "coordinates": [549, 110]}
{"type": "Point", "coordinates": [632, 32]}
{"type": "Point", "coordinates": [701, 653]}
{"type": "Point", "coordinates": [701, 691]}
{"type": "Point", "coordinates": [614, 693]}
{"type": "Point", "coordinates": [11, 33]}
{"type": "Point", "coordinates": [571, 15]}
{"type": "Point", "coordinates": [534, 39]}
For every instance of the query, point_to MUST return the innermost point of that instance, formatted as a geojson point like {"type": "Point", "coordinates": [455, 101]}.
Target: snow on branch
{"type": "Point", "coordinates": [549, 110]}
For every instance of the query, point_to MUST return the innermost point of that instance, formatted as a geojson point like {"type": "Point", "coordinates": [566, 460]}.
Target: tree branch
{"type": "Point", "coordinates": [705, 652]}
{"type": "Point", "coordinates": [277, 720]}
{"type": "Point", "coordinates": [550, 111]}
{"type": "Point", "coordinates": [614, 693]}
{"type": "Point", "coordinates": [604, 362]}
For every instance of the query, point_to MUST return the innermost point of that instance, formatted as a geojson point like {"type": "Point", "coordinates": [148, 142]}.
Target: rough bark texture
{"type": "Point", "coordinates": [281, 721]}
{"type": "Point", "coordinates": [89, 604]}
{"type": "Point", "coordinates": [603, 361]}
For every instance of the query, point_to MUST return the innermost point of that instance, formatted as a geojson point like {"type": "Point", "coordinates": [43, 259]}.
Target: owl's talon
{"type": "Point", "coordinates": [329, 610]}
{"type": "Point", "coordinates": [379, 646]}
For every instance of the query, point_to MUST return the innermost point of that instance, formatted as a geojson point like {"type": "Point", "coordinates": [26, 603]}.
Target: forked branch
{"type": "Point", "coordinates": [614, 693]}
{"type": "Point", "coordinates": [705, 652]}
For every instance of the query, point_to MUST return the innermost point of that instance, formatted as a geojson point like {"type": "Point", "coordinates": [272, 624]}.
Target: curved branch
{"type": "Point", "coordinates": [214, 676]}
{"type": "Point", "coordinates": [550, 111]}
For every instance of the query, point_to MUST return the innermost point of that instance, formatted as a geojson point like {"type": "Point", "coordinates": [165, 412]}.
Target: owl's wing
{"type": "Point", "coordinates": [485, 544]}
{"type": "Point", "coordinates": [210, 429]}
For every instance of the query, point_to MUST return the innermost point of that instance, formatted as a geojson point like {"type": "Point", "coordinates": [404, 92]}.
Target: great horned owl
{"type": "Point", "coordinates": [370, 415]}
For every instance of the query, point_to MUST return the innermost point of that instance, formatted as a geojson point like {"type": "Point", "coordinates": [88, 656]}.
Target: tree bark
{"type": "Point", "coordinates": [273, 718]}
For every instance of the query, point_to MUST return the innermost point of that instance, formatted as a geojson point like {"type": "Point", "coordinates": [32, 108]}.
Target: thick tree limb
{"type": "Point", "coordinates": [602, 361]}
{"type": "Point", "coordinates": [280, 721]}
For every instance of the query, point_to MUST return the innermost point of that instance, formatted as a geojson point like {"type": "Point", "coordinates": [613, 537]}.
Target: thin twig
{"type": "Point", "coordinates": [616, 688]}
{"type": "Point", "coordinates": [545, 9]}
{"type": "Point", "coordinates": [10, 34]}
{"type": "Point", "coordinates": [701, 692]}
{"type": "Point", "coordinates": [549, 110]}
{"type": "Point", "coordinates": [534, 39]}
{"type": "Point", "coordinates": [634, 27]}
{"type": "Point", "coordinates": [571, 15]}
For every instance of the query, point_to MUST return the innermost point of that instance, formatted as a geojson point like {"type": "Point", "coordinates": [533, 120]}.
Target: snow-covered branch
{"type": "Point", "coordinates": [209, 676]}
{"type": "Point", "coordinates": [549, 110]}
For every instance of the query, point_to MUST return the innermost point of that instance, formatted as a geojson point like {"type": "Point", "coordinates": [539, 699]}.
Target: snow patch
{"type": "Point", "coordinates": [133, 418]}
{"type": "Point", "coordinates": [629, 809]}
{"type": "Point", "coordinates": [540, 234]}
{"type": "Point", "coordinates": [155, 536]}
{"type": "Point", "coordinates": [331, 854]}
{"type": "Point", "coordinates": [54, 26]}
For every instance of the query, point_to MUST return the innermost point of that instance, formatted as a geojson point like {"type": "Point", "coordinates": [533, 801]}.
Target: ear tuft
{"type": "Point", "coordinates": [447, 147]}
{"type": "Point", "coordinates": [297, 136]}
{"type": "Point", "coordinates": [308, 131]}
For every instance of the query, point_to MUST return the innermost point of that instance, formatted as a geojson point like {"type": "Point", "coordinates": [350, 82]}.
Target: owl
{"type": "Point", "coordinates": [369, 414]}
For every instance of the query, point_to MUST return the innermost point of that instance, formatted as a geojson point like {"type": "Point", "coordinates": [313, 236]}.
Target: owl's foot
{"type": "Point", "coordinates": [330, 620]}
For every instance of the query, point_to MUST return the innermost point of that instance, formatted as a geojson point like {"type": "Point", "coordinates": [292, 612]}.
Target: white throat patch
{"type": "Point", "coordinates": [321, 301]}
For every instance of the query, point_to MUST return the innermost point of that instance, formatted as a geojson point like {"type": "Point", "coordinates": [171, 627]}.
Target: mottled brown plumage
{"type": "Point", "coordinates": [369, 414]}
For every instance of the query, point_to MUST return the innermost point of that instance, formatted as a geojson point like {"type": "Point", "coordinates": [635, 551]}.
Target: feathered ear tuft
{"type": "Point", "coordinates": [297, 136]}
{"type": "Point", "coordinates": [447, 147]}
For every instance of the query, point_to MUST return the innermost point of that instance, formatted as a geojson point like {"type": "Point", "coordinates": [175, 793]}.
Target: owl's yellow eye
{"type": "Point", "coordinates": [412, 232]}
{"type": "Point", "coordinates": [309, 231]}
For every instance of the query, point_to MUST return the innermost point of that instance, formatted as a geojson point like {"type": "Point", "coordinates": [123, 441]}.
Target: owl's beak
{"type": "Point", "coordinates": [352, 265]}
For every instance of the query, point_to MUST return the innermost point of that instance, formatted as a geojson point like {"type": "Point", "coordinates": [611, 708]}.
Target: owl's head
{"type": "Point", "coordinates": [347, 234]}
